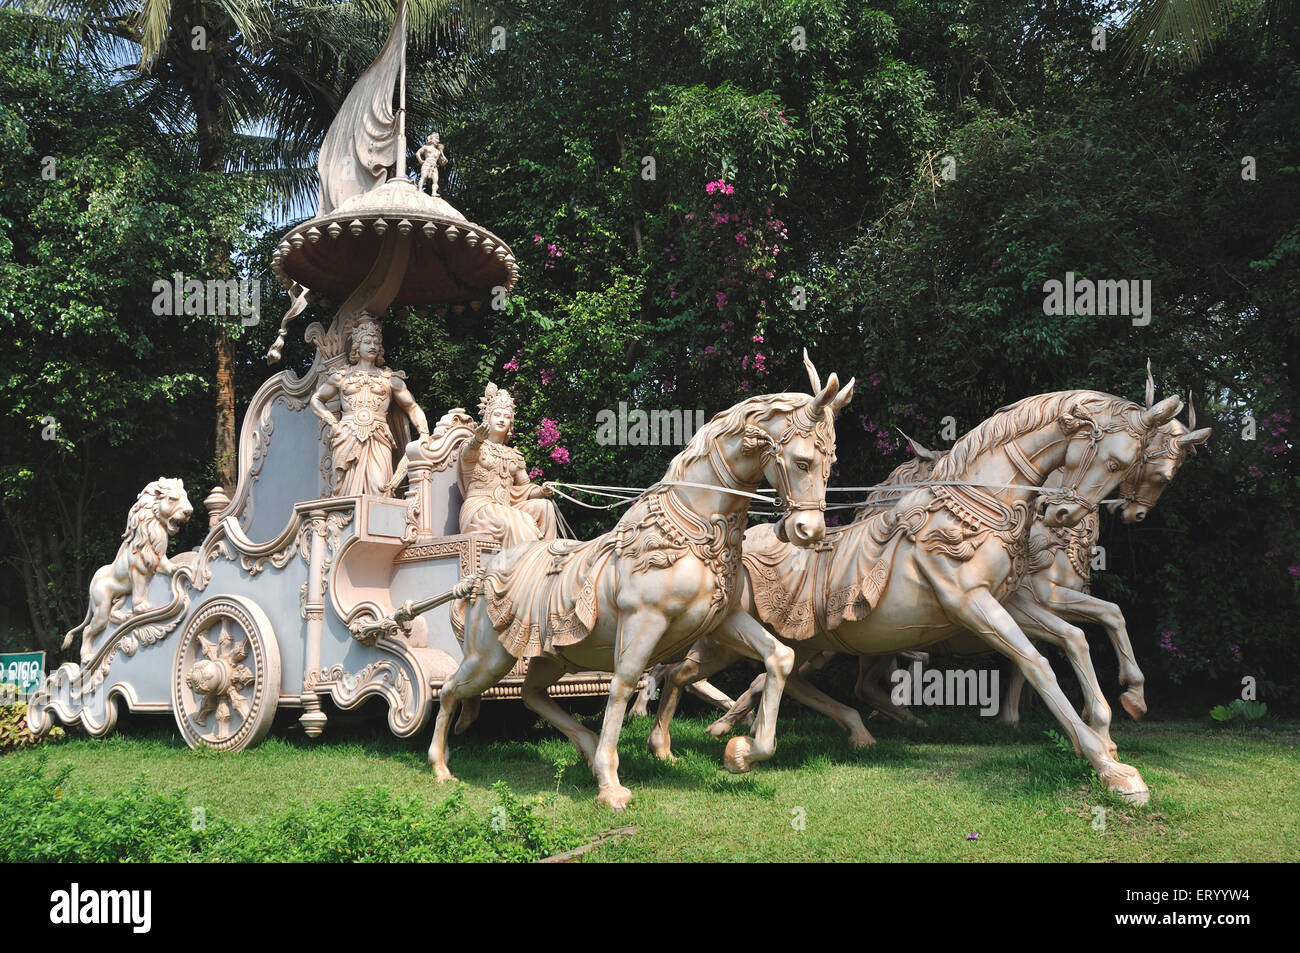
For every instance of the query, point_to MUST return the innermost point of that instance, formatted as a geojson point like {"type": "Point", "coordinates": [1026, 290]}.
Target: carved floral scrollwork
{"type": "Point", "coordinates": [383, 677]}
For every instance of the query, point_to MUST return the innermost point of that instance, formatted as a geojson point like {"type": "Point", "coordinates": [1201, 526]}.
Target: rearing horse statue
{"type": "Point", "coordinates": [1053, 595]}
{"type": "Point", "coordinates": [665, 576]}
{"type": "Point", "coordinates": [943, 558]}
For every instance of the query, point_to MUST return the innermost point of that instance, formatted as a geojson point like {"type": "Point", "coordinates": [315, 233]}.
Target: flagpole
{"type": "Point", "coordinates": [401, 118]}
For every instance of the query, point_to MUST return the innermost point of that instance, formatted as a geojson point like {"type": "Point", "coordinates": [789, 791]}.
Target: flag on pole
{"type": "Point", "coordinates": [364, 139]}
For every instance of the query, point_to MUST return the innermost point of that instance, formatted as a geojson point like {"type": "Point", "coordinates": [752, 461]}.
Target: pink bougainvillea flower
{"type": "Point", "coordinates": [560, 455]}
{"type": "Point", "coordinates": [548, 433]}
{"type": "Point", "coordinates": [535, 472]}
{"type": "Point", "coordinates": [721, 298]}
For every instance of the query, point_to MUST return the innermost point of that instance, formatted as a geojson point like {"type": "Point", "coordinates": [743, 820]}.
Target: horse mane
{"type": "Point", "coordinates": [1022, 417]}
{"type": "Point", "coordinates": [733, 421]}
{"type": "Point", "coordinates": [904, 474]}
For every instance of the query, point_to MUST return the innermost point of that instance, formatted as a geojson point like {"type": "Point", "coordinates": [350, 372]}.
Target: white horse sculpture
{"type": "Point", "coordinates": [1044, 604]}
{"type": "Point", "coordinates": [663, 577]}
{"type": "Point", "coordinates": [943, 558]}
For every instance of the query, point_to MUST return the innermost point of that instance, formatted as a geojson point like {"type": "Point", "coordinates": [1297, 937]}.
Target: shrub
{"type": "Point", "coordinates": [1240, 712]}
{"type": "Point", "coordinates": [40, 820]}
{"type": "Point", "coordinates": [14, 733]}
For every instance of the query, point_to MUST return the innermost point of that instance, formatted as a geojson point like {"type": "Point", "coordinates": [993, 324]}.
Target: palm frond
{"type": "Point", "coordinates": [1187, 27]}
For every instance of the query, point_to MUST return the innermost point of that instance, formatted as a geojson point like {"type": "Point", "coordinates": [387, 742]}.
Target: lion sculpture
{"type": "Point", "coordinates": [154, 518]}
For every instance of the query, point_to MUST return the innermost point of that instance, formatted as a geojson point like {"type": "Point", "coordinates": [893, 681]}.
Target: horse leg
{"type": "Point", "coordinates": [1010, 713]}
{"type": "Point", "coordinates": [543, 672]}
{"type": "Point", "coordinates": [1082, 607]}
{"type": "Point", "coordinates": [704, 658]}
{"type": "Point", "coordinates": [1036, 620]}
{"type": "Point", "coordinates": [641, 707]}
{"type": "Point", "coordinates": [743, 633]}
{"type": "Point", "coordinates": [743, 707]}
{"type": "Point", "coordinates": [978, 611]}
{"type": "Point", "coordinates": [845, 716]}
{"type": "Point", "coordinates": [714, 696]}
{"type": "Point", "coordinates": [638, 634]}
{"type": "Point", "coordinates": [872, 671]}
{"type": "Point", "coordinates": [483, 666]}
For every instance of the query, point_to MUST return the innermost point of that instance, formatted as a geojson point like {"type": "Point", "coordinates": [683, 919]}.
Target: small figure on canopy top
{"type": "Point", "coordinates": [430, 156]}
{"type": "Point", "coordinates": [363, 440]}
{"type": "Point", "coordinates": [499, 498]}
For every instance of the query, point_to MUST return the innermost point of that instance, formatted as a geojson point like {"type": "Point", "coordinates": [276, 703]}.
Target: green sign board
{"type": "Point", "coordinates": [20, 674]}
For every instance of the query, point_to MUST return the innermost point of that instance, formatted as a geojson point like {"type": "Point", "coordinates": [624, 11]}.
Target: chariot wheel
{"type": "Point", "coordinates": [226, 675]}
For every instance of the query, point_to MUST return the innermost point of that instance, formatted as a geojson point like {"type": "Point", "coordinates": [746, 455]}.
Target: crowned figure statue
{"type": "Point", "coordinates": [363, 441]}
{"type": "Point", "coordinates": [499, 498]}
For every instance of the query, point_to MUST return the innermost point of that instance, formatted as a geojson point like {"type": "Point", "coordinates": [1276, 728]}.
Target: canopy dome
{"type": "Point", "coordinates": [452, 259]}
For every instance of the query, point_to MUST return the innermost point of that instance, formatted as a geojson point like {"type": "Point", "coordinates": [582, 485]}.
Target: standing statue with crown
{"type": "Point", "coordinates": [362, 443]}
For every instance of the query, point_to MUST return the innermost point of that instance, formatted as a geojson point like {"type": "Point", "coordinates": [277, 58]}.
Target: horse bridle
{"type": "Point", "coordinates": [758, 440]}
{"type": "Point", "coordinates": [1068, 491]}
{"type": "Point", "coordinates": [1127, 495]}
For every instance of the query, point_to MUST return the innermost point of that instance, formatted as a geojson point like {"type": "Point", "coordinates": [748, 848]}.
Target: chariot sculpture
{"type": "Point", "coordinates": [366, 554]}
{"type": "Point", "coordinates": [348, 502]}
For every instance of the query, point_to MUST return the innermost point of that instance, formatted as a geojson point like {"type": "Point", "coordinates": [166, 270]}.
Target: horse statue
{"type": "Point", "coordinates": [942, 559]}
{"type": "Point", "coordinates": [1059, 594]}
{"type": "Point", "coordinates": [665, 576]}
{"type": "Point", "coordinates": [1047, 600]}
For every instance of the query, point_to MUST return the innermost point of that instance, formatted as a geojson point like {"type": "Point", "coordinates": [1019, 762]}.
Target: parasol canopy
{"type": "Point", "coordinates": [452, 260]}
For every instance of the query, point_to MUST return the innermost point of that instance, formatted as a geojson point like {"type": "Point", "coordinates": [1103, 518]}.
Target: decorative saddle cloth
{"type": "Point", "coordinates": [800, 593]}
{"type": "Point", "coordinates": [540, 595]}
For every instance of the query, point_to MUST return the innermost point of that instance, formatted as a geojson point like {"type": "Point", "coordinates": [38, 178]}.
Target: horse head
{"type": "Point", "coordinates": [798, 457]}
{"type": "Point", "coordinates": [1106, 440]}
{"type": "Point", "coordinates": [1170, 447]}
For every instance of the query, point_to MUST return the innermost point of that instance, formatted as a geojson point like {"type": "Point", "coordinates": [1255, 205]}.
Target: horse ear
{"type": "Point", "coordinates": [813, 377]}
{"type": "Point", "coordinates": [843, 397]}
{"type": "Point", "coordinates": [1191, 411]}
{"type": "Point", "coordinates": [1151, 386]}
{"type": "Point", "coordinates": [827, 394]}
{"type": "Point", "coordinates": [920, 450]}
{"type": "Point", "coordinates": [1194, 439]}
{"type": "Point", "coordinates": [1163, 412]}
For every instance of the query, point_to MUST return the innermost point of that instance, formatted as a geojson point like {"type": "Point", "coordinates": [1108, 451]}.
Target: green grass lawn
{"type": "Point", "coordinates": [1217, 795]}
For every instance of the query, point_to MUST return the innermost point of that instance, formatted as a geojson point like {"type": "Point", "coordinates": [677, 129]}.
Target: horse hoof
{"type": "Point", "coordinates": [719, 729]}
{"type": "Point", "coordinates": [1134, 704]}
{"type": "Point", "coordinates": [443, 776]}
{"type": "Point", "coordinates": [736, 755]}
{"type": "Point", "coordinates": [1127, 784]}
{"type": "Point", "coordinates": [616, 799]}
{"type": "Point", "coordinates": [660, 751]}
{"type": "Point", "coordinates": [861, 739]}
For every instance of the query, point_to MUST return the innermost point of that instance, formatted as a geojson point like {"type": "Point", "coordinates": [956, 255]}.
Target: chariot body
{"type": "Point", "coordinates": [278, 606]}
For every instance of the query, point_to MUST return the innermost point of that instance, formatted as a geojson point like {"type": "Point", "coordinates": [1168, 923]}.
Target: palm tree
{"type": "Point", "coordinates": [1187, 27]}
{"type": "Point", "coordinates": [248, 87]}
